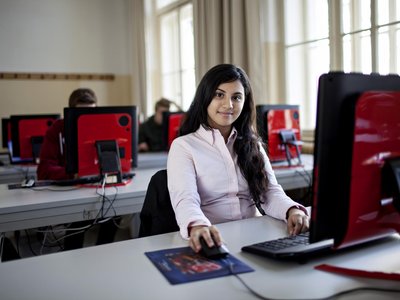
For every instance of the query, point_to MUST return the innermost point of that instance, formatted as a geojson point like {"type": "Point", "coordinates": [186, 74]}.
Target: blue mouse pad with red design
{"type": "Point", "coordinates": [181, 265]}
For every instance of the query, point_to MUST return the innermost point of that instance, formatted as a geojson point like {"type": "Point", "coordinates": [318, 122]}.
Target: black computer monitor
{"type": "Point", "coordinates": [171, 124]}
{"type": "Point", "coordinates": [101, 140]}
{"type": "Point", "coordinates": [27, 133]}
{"type": "Point", "coordinates": [5, 132]}
{"type": "Point", "coordinates": [357, 147]}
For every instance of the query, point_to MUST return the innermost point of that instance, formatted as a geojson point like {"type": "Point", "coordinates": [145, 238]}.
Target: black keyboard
{"type": "Point", "coordinates": [286, 242]}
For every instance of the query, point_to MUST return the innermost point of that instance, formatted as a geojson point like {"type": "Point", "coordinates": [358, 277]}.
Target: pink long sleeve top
{"type": "Point", "coordinates": [206, 185]}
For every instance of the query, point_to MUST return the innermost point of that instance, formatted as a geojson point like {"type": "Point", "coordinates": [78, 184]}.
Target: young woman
{"type": "Point", "coordinates": [218, 170]}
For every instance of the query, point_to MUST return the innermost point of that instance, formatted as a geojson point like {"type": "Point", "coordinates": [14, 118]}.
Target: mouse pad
{"type": "Point", "coordinates": [181, 265]}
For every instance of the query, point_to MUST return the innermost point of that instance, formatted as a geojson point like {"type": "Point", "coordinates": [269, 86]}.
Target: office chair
{"type": "Point", "coordinates": [157, 215]}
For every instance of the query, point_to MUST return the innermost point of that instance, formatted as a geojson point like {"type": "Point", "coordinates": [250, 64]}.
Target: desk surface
{"type": "Point", "coordinates": [17, 172]}
{"type": "Point", "coordinates": [30, 208]}
{"type": "Point", "coordinates": [122, 271]}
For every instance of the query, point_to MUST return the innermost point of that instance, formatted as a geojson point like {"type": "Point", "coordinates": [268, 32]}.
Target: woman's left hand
{"type": "Point", "coordinates": [297, 221]}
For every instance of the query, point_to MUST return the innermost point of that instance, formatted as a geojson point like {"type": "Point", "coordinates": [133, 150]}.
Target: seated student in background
{"type": "Point", "coordinates": [52, 159]}
{"type": "Point", "coordinates": [151, 131]}
{"type": "Point", "coordinates": [218, 170]}
{"type": "Point", "coordinates": [52, 167]}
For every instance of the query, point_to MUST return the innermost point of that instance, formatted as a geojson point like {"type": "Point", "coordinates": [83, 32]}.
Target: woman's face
{"type": "Point", "coordinates": [226, 106]}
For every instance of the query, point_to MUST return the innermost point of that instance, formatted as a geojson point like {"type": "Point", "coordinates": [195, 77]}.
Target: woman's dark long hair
{"type": "Point", "coordinates": [250, 159]}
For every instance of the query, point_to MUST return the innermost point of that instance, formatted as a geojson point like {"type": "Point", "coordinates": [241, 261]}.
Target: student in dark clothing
{"type": "Point", "coordinates": [151, 131]}
{"type": "Point", "coordinates": [52, 167]}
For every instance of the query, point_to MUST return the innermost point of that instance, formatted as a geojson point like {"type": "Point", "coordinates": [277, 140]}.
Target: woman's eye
{"type": "Point", "coordinates": [219, 95]}
{"type": "Point", "coordinates": [237, 98]}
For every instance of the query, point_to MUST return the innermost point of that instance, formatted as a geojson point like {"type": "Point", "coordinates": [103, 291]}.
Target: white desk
{"type": "Point", "coordinates": [122, 271]}
{"type": "Point", "coordinates": [26, 208]}
{"type": "Point", "coordinates": [16, 173]}
{"type": "Point", "coordinates": [29, 208]}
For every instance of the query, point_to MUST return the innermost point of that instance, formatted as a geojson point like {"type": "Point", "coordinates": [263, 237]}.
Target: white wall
{"type": "Point", "coordinates": [87, 36]}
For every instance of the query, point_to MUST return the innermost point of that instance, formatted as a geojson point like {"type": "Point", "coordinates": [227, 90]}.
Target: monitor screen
{"type": "Point", "coordinates": [27, 133]}
{"type": "Point", "coordinates": [98, 139]}
{"type": "Point", "coordinates": [272, 122]}
{"type": "Point", "coordinates": [171, 124]}
{"type": "Point", "coordinates": [357, 137]}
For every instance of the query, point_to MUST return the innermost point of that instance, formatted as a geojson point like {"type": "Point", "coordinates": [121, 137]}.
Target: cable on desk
{"type": "Point", "coordinates": [231, 266]}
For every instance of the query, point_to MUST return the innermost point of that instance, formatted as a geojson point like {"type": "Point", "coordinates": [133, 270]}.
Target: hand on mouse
{"type": "Point", "coordinates": [209, 233]}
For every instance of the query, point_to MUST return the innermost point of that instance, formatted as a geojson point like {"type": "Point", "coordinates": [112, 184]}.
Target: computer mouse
{"type": "Point", "coordinates": [212, 252]}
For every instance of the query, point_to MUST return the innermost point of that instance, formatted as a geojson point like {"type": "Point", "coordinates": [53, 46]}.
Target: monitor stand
{"type": "Point", "coordinates": [288, 139]}
{"type": "Point", "coordinates": [109, 161]}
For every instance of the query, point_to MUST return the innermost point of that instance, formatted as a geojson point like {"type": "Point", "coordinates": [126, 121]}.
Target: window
{"type": "Point", "coordinates": [368, 34]}
{"type": "Point", "coordinates": [307, 54]}
{"type": "Point", "coordinates": [174, 67]}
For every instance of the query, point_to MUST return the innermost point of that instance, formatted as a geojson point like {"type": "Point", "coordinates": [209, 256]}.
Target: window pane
{"type": "Point", "coordinates": [162, 3]}
{"type": "Point", "coordinates": [317, 19]}
{"type": "Point", "coordinates": [187, 56]}
{"type": "Point", "coordinates": [357, 52]}
{"type": "Point", "coordinates": [398, 49]}
{"type": "Point", "coordinates": [384, 51]}
{"type": "Point", "coordinates": [187, 41]}
{"type": "Point", "coordinates": [364, 15]}
{"type": "Point", "coordinates": [171, 86]}
{"type": "Point", "coordinates": [383, 12]}
{"type": "Point", "coordinates": [293, 22]}
{"type": "Point", "coordinates": [346, 16]}
{"type": "Point", "coordinates": [364, 53]}
{"type": "Point", "coordinates": [318, 56]}
{"type": "Point", "coordinates": [356, 15]}
{"type": "Point", "coordinates": [305, 64]}
{"type": "Point", "coordinates": [169, 42]}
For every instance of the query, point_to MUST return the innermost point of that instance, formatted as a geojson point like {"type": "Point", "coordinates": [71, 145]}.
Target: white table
{"type": "Point", "coordinates": [26, 208]}
{"type": "Point", "coordinates": [122, 271]}
{"type": "Point", "coordinates": [16, 173]}
{"type": "Point", "coordinates": [30, 208]}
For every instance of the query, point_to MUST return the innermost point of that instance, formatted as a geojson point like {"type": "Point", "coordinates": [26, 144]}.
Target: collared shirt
{"type": "Point", "coordinates": [207, 187]}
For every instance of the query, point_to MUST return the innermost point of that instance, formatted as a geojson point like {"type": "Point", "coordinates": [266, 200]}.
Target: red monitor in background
{"type": "Point", "coordinates": [101, 140]}
{"type": "Point", "coordinates": [171, 125]}
{"type": "Point", "coordinates": [27, 133]}
{"type": "Point", "coordinates": [356, 179]}
{"type": "Point", "coordinates": [279, 127]}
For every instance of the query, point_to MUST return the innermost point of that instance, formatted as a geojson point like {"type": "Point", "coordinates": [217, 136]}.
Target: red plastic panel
{"type": "Point", "coordinates": [376, 137]}
{"type": "Point", "coordinates": [277, 120]}
{"type": "Point", "coordinates": [97, 127]}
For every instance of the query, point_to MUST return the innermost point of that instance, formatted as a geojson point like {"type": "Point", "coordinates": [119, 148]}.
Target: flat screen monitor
{"type": "Point", "coordinates": [27, 133]}
{"type": "Point", "coordinates": [101, 140]}
{"type": "Point", "coordinates": [5, 132]}
{"type": "Point", "coordinates": [277, 123]}
{"type": "Point", "coordinates": [356, 177]}
{"type": "Point", "coordinates": [171, 124]}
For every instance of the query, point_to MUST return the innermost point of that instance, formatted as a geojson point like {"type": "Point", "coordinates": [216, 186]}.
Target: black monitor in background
{"type": "Point", "coordinates": [27, 133]}
{"type": "Point", "coordinates": [356, 178]}
{"type": "Point", "coordinates": [101, 140]}
{"type": "Point", "coordinates": [279, 127]}
{"type": "Point", "coordinates": [171, 124]}
{"type": "Point", "coordinates": [5, 132]}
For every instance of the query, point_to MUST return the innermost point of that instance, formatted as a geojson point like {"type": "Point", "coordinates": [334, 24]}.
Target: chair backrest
{"type": "Point", "coordinates": [157, 215]}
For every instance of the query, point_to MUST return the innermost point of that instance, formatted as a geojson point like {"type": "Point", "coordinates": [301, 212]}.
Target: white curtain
{"type": "Point", "coordinates": [139, 93]}
{"type": "Point", "coordinates": [229, 31]}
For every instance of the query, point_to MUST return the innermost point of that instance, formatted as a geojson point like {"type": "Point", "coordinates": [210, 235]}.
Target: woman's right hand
{"type": "Point", "coordinates": [210, 234]}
